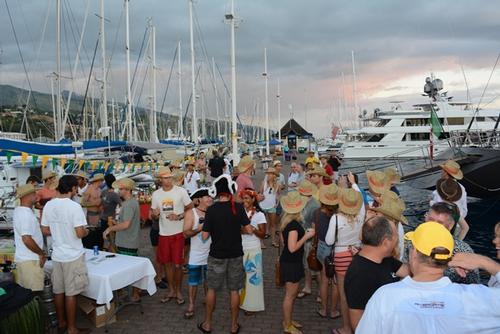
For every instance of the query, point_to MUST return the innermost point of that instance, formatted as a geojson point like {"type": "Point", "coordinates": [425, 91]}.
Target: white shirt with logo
{"type": "Point", "coordinates": [62, 215]}
{"type": "Point", "coordinates": [25, 223]}
{"type": "Point", "coordinates": [434, 307]}
{"type": "Point", "coordinates": [172, 201]}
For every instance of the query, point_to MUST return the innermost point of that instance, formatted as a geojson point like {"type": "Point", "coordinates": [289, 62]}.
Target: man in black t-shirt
{"type": "Point", "coordinates": [216, 165]}
{"type": "Point", "coordinates": [373, 266]}
{"type": "Point", "coordinates": [224, 221]}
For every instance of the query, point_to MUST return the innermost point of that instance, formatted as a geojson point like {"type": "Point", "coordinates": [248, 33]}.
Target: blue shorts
{"type": "Point", "coordinates": [197, 274]}
{"type": "Point", "coordinates": [271, 210]}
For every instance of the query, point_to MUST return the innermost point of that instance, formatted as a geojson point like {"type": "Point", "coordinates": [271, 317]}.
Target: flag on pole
{"type": "Point", "coordinates": [436, 127]}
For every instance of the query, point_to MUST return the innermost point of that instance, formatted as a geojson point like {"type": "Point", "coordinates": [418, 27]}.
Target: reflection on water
{"type": "Point", "coordinates": [482, 216]}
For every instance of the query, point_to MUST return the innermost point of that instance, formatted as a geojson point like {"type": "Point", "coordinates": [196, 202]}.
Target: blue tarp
{"type": "Point", "coordinates": [62, 148]}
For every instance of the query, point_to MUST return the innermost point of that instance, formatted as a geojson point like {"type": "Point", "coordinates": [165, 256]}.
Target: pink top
{"type": "Point", "coordinates": [243, 181]}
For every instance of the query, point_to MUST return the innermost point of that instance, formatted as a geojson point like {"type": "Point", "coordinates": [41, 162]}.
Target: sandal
{"type": "Point", "coordinates": [336, 315]}
{"type": "Point", "coordinates": [303, 294]}
{"type": "Point", "coordinates": [291, 330]}
{"type": "Point", "coordinates": [166, 299]}
{"type": "Point", "coordinates": [180, 301]}
{"type": "Point", "coordinates": [275, 245]}
{"type": "Point", "coordinates": [296, 324]}
{"type": "Point", "coordinates": [318, 312]}
{"type": "Point", "coordinates": [188, 314]}
{"type": "Point", "coordinates": [203, 330]}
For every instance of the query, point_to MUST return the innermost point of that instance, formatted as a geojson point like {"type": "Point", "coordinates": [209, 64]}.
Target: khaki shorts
{"type": "Point", "coordinates": [30, 275]}
{"type": "Point", "coordinates": [70, 278]}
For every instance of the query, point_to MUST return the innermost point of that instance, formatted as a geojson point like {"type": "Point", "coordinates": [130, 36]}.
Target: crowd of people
{"type": "Point", "coordinates": [210, 220]}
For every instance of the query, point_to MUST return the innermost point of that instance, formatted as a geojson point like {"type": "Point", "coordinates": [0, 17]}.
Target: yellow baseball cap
{"type": "Point", "coordinates": [429, 236]}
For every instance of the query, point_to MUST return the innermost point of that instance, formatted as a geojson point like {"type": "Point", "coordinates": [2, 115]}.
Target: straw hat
{"type": "Point", "coordinates": [47, 174]}
{"type": "Point", "coordinates": [293, 202]}
{"type": "Point", "coordinates": [391, 209]}
{"type": "Point", "coordinates": [392, 196]}
{"type": "Point", "coordinates": [164, 172]}
{"type": "Point", "coordinates": [175, 164]}
{"type": "Point", "coordinates": [350, 201]}
{"type": "Point", "coordinates": [449, 190]}
{"type": "Point", "coordinates": [245, 163]}
{"type": "Point", "coordinates": [324, 156]}
{"type": "Point", "coordinates": [276, 163]}
{"type": "Point", "coordinates": [392, 175]}
{"type": "Point", "coordinates": [82, 174]}
{"type": "Point", "coordinates": [24, 190]}
{"type": "Point", "coordinates": [178, 176]}
{"type": "Point", "coordinates": [124, 183]}
{"type": "Point", "coordinates": [318, 171]}
{"type": "Point", "coordinates": [189, 162]}
{"type": "Point", "coordinates": [272, 170]}
{"type": "Point", "coordinates": [97, 177]}
{"type": "Point", "coordinates": [377, 181]}
{"type": "Point", "coordinates": [329, 194]}
{"type": "Point", "coordinates": [453, 168]}
{"type": "Point", "coordinates": [306, 188]}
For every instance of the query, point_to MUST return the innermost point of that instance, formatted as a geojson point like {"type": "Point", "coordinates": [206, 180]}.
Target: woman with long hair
{"type": "Point", "coordinates": [270, 191]}
{"type": "Point", "coordinates": [343, 235]}
{"type": "Point", "coordinates": [291, 265]}
{"type": "Point", "coordinates": [252, 295]}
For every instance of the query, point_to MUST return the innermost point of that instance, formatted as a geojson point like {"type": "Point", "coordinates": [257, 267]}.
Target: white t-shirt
{"type": "Point", "coordinates": [191, 181]}
{"type": "Point", "coordinates": [251, 241]}
{"type": "Point", "coordinates": [198, 254]}
{"type": "Point", "coordinates": [25, 223]}
{"type": "Point", "coordinates": [62, 215]}
{"type": "Point", "coordinates": [434, 307]}
{"type": "Point", "coordinates": [294, 178]}
{"type": "Point", "coordinates": [461, 203]}
{"type": "Point", "coordinates": [270, 197]}
{"type": "Point", "coordinates": [172, 201]}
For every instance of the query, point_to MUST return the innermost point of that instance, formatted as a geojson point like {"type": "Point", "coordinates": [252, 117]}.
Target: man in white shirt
{"type": "Point", "coordinates": [64, 220]}
{"type": "Point", "coordinates": [28, 239]}
{"type": "Point", "coordinates": [168, 204]}
{"type": "Point", "coordinates": [192, 178]}
{"type": "Point", "coordinates": [428, 302]}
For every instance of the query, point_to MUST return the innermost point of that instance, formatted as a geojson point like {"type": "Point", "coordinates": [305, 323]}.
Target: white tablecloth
{"type": "Point", "coordinates": [109, 274]}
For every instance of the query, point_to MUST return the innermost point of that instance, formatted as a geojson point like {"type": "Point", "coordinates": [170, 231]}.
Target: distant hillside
{"type": "Point", "coordinates": [41, 123]}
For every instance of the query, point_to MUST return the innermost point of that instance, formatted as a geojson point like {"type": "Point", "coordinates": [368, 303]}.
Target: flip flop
{"type": "Point", "coordinates": [188, 314]}
{"type": "Point", "coordinates": [303, 294]}
{"type": "Point", "coordinates": [336, 331]}
{"type": "Point", "coordinates": [237, 329]}
{"type": "Point", "coordinates": [336, 316]}
{"type": "Point", "coordinates": [296, 324]}
{"type": "Point", "coordinates": [180, 301]}
{"type": "Point", "coordinates": [166, 299]}
{"type": "Point", "coordinates": [275, 245]}
{"type": "Point", "coordinates": [318, 312]}
{"type": "Point", "coordinates": [203, 330]}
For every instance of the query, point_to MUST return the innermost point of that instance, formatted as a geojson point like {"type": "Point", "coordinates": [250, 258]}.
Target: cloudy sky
{"type": "Point", "coordinates": [396, 45]}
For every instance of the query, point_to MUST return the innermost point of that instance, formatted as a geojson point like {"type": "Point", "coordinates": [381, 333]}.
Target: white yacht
{"type": "Point", "coordinates": [406, 133]}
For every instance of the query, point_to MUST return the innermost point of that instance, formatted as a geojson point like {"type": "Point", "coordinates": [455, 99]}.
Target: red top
{"type": "Point", "coordinates": [329, 171]}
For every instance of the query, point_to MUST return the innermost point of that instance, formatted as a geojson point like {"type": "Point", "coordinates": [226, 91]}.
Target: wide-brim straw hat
{"type": "Point", "coordinates": [449, 190]}
{"type": "Point", "coordinates": [350, 201]}
{"type": "Point", "coordinates": [293, 202]}
{"type": "Point", "coordinates": [24, 190]}
{"type": "Point", "coordinates": [318, 171]}
{"type": "Point", "coordinates": [377, 181]}
{"type": "Point", "coordinates": [329, 194]}
{"type": "Point", "coordinates": [245, 163]}
{"type": "Point", "coordinates": [272, 170]}
{"type": "Point", "coordinates": [178, 176]}
{"type": "Point", "coordinates": [276, 163]}
{"type": "Point", "coordinates": [164, 172]}
{"type": "Point", "coordinates": [175, 164]}
{"type": "Point", "coordinates": [82, 174]}
{"type": "Point", "coordinates": [47, 174]}
{"type": "Point", "coordinates": [189, 162]}
{"type": "Point", "coordinates": [307, 188]}
{"type": "Point", "coordinates": [453, 168]}
{"type": "Point", "coordinates": [126, 183]}
{"type": "Point", "coordinates": [391, 195]}
{"type": "Point", "coordinates": [392, 175]}
{"type": "Point", "coordinates": [97, 177]}
{"type": "Point", "coordinates": [391, 209]}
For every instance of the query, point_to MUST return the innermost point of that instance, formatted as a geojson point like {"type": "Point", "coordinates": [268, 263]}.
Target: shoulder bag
{"type": "Point", "coordinates": [312, 260]}
{"type": "Point", "coordinates": [278, 280]}
{"type": "Point", "coordinates": [330, 259]}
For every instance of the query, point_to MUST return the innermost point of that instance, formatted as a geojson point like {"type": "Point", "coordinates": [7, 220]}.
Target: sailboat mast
{"type": "Point", "coordinates": [180, 131]}
{"type": "Point", "coordinates": [216, 99]}
{"type": "Point", "coordinates": [129, 124]}
{"type": "Point", "coordinates": [104, 104]}
{"type": "Point", "coordinates": [354, 89]}
{"type": "Point", "coordinates": [57, 129]}
{"type": "Point", "coordinates": [279, 111]}
{"type": "Point", "coordinates": [153, 135]}
{"type": "Point", "coordinates": [234, 134]}
{"type": "Point", "coordinates": [194, 123]}
{"type": "Point", "coordinates": [266, 105]}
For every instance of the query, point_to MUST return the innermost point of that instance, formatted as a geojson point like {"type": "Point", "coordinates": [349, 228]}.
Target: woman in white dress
{"type": "Point", "coordinates": [252, 295]}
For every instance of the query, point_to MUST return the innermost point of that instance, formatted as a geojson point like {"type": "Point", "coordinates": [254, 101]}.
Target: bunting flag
{"type": "Point", "coordinates": [71, 164]}
{"type": "Point", "coordinates": [54, 163]}
{"type": "Point", "coordinates": [9, 156]}
{"type": "Point", "coordinates": [106, 166]}
{"type": "Point", "coordinates": [86, 165]}
{"type": "Point", "coordinates": [63, 162]}
{"type": "Point", "coordinates": [124, 167]}
{"type": "Point", "coordinates": [34, 159]}
{"type": "Point", "coordinates": [93, 164]}
{"type": "Point", "coordinates": [24, 157]}
{"type": "Point", "coordinates": [45, 159]}
{"type": "Point", "coordinates": [80, 164]}
{"type": "Point", "coordinates": [100, 165]}
{"type": "Point", "coordinates": [133, 168]}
